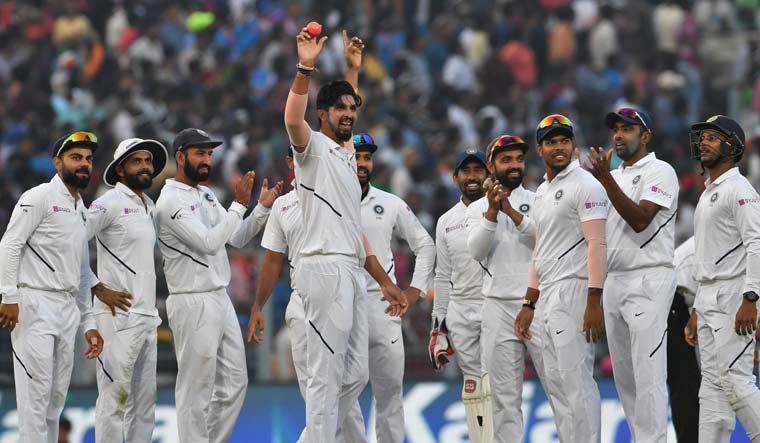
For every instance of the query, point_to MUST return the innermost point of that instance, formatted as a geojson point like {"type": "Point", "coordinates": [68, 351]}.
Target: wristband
{"type": "Point", "coordinates": [529, 304]}
{"type": "Point", "coordinates": [305, 70]}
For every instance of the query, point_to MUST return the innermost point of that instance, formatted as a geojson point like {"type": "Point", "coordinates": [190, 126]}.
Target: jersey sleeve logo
{"type": "Point", "coordinates": [558, 195]}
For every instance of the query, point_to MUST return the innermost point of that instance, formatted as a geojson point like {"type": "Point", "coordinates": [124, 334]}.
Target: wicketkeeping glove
{"type": "Point", "coordinates": [439, 349]}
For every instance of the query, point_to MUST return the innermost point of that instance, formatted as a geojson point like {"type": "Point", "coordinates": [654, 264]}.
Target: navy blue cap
{"type": "Point", "coordinates": [193, 137]}
{"type": "Point", "coordinates": [631, 116]}
{"type": "Point", "coordinates": [469, 155]}
{"type": "Point", "coordinates": [725, 125]}
{"type": "Point", "coordinates": [364, 141]}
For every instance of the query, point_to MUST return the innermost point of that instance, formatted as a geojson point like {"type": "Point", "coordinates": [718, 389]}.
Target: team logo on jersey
{"type": "Point", "coordinates": [524, 207]}
{"type": "Point", "coordinates": [636, 179]}
{"type": "Point", "coordinates": [209, 197]}
{"type": "Point", "coordinates": [558, 195]}
{"type": "Point", "coordinates": [378, 209]}
{"type": "Point", "coordinates": [713, 197]}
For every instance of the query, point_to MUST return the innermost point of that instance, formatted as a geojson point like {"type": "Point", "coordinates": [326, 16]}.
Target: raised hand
{"type": "Point", "coordinates": [309, 47]}
{"type": "Point", "coordinates": [599, 163]}
{"type": "Point", "coordinates": [269, 195]}
{"type": "Point", "coordinates": [243, 188]}
{"type": "Point", "coordinates": [352, 51]}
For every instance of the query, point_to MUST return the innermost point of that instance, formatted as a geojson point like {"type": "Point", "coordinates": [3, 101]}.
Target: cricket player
{"type": "Point", "coordinates": [641, 279]}
{"type": "Point", "coordinates": [382, 214]}
{"type": "Point", "coordinates": [328, 271]}
{"type": "Point", "coordinates": [458, 290]}
{"type": "Point", "coordinates": [569, 266]}
{"type": "Point", "coordinates": [727, 266]}
{"type": "Point", "coordinates": [46, 283]}
{"type": "Point", "coordinates": [684, 375]}
{"type": "Point", "coordinates": [283, 234]}
{"type": "Point", "coordinates": [193, 229]}
{"type": "Point", "coordinates": [121, 221]}
{"type": "Point", "coordinates": [501, 237]}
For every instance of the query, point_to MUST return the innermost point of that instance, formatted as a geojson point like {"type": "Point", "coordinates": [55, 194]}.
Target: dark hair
{"type": "Point", "coordinates": [330, 94]}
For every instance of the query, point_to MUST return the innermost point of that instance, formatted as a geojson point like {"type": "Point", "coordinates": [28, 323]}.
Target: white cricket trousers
{"type": "Point", "coordinates": [568, 360]}
{"type": "Point", "coordinates": [294, 320]}
{"type": "Point", "coordinates": [333, 291]}
{"type": "Point", "coordinates": [504, 362]}
{"type": "Point", "coordinates": [126, 374]}
{"type": "Point", "coordinates": [212, 376]}
{"type": "Point", "coordinates": [43, 356]}
{"type": "Point", "coordinates": [636, 307]}
{"type": "Point", "coordinates": [728, 384]}
{"type": "Point", "coordinates": [386, 375]}
{"type": "Point", "coordinates": [463, 320]}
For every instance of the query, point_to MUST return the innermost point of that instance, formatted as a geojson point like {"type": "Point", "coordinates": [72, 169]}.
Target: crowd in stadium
{"type": "Point", "coordinates": [438, 77]}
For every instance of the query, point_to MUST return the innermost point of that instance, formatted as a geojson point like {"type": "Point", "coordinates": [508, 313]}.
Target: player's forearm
{"type": "Point", "coordinates": [295, 110]}
{"type": "Point", "coordinates": [633, 214]}
{"type": "Point", "coordinates": [532, 293]}
{"type": "Point", "coordinates": [595, 235]}
{"type": "Point", "coordinates": [376, 271]}
{"type": "Point", "coordinates": [270, 269]}
{"type": "Point", "coordinates": [352, 76]}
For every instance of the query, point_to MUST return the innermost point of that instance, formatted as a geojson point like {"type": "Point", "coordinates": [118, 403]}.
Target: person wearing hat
{"type": "Point", "coordinates": [382, 215]}
{"type": "Point", "coordinates": [45, 284]}
{"type": "Point", "coordinates": [193, 230]}
{"type": "Point", "coordinates": [501, 236]}
{"type": "Point", "coordinates": [121, 221]}
{"type": "Point", "coordinates": [458, 290]}
{"type": "Point", "coordinates": [727, 267]}
{"type": "Point", "coordinates": [330, 261]}
{"type": "Point", "coordinates": [641, 279]}
{"type": "Point", "coordinates": [569, 265]}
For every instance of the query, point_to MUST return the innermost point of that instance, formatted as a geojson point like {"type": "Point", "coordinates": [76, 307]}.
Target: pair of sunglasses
{"type": "Point", "coordinates": [363, 139]}
{"type": "Point", "coordinates": [554, 119]}
{"type": "Point", "coordinates": [632, 113]}
{"type": "Point", "coordinates": [80, 136]}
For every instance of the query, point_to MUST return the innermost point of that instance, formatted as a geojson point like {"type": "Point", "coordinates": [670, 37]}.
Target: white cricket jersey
{"type": "Point", "coordinates": [727, 231]}
{"type": "Point", "coordinates": [45, 247]}
{"type": "Point", "coordinates": [562, 205]}
{"type": "Point", "coordinates": [502, 247]}
{"type": "Point", "coordinates": [683, 261]}
{"type": "Point", "coordinates": [653, 180]}
{"type": "Point", "coordinates": [382, 213]}
{"type": "Point", "coordinates": [458, 276]}
{"type": "Point", "coordinates": [193, 229]}
{"type": "Point", "coordinates": [122, 224]}
{"type": "Point", "coordinates": [283, 230]}
{"type": "Point", "coordinates": [330, 198]}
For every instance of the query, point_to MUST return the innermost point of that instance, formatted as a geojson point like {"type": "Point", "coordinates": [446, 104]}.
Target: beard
{"type": "Point", "coordinates": [511, 182]}
{"type": "Point", "coordinates": [70, 177]}
{"type": "Point", "coordinates": [194, 174]}
{"type": "Point", "coordinates": [139, 181]}
{"type": "Point", "coordinates": [344, 136]}
{"type": "Point", "coordinates": [472, 194]}
{"type": "Point", "coordinates": [628, 149]}
{"type": "Point", "coordinates": [363, 181]}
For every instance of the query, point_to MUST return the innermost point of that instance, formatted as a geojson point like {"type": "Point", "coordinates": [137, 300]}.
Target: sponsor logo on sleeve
{"type": "Point", "coordinates": [61, 209]}
{"type": "Point", "coordinates": [98, 207]}
{"type": "Point", "coordinates": [661, 191]}
{"type": "Point", "coordinates": [601, 204]}
{"type": "Point", "coordinates": [455, 227]}
{"type": "Point", "coordinates": [749, 201]}
{"type": "Point", "coordinates": [131, 211]}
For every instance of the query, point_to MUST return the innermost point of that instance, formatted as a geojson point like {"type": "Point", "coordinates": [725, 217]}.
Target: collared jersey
{"type": "Point", "coordinates": [330, 197]}
{"type": "Point", "coordinates": [383, 213]}
{"type": "Point", "coordinates": [457, 275]}
{"type": "Point", "coordinates": [45, 247]}
{"type": "Point", "coordinates": [653, 180]}
{"type": "Point", "coordinates": [683, 260]}
{"type": "Point", "coordinates": [283, 231]}
{"type": "Point", "coordinates": [193, 229]}
{"type": "Point", "coordinates": [562, 205]}
{"type": "Point", "coordinates": [727, 231]}
{"type": "Point", "coordinates": [122, 224]}
{"type": "Point", "coordinates": [504, 249]}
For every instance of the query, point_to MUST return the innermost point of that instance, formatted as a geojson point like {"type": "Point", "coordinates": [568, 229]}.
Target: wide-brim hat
{"type": "Point", "coordinates": [129, 147]}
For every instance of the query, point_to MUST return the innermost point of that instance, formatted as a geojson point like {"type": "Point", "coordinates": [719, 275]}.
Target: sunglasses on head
{"type": "Point", "coordinates": [363, 139]}
{"type": "Point", "coordinates": [632, 113]}
{"type": "Point", "coordinates": [554, 119]}
{"type": "Point", "coordinates": [504, 141]}
{"type": "Point", "coordinates": [81, 136]}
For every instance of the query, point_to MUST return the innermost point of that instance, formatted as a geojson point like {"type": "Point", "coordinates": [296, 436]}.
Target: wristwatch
{"type": "Point", "coordinates": [751, 296]}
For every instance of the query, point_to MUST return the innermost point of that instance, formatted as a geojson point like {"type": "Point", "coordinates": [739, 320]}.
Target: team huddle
{"type": "Point", "coordinates": [515, 273]}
